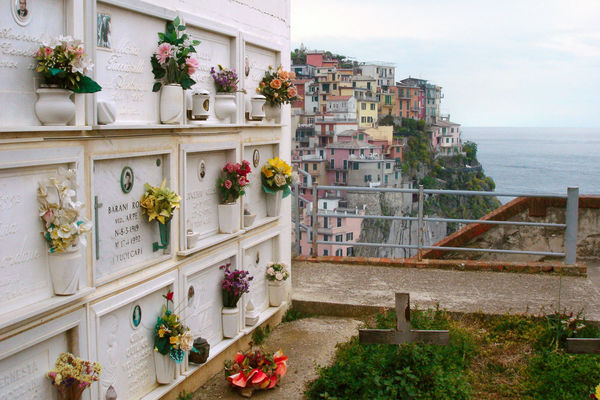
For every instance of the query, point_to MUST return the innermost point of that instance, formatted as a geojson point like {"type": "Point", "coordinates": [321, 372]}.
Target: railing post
{"type": "Point", "coordinates": [572, 215]}
{"type": "Point", "coordinates": [420, 223]}
{"type": "Point", "coordinates": [297, 192]}
{"type": "Point", "coordinates": [315, 222]}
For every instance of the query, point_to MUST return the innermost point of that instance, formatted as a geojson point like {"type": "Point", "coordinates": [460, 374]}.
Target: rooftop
{"type": "Point", "coordinates": [351, 145]}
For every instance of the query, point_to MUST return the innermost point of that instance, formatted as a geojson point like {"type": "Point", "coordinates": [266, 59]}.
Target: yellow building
{"type": "Point", "coordinates": [382, 133]}
{"type": "Point", "coordinates": [366, 112]}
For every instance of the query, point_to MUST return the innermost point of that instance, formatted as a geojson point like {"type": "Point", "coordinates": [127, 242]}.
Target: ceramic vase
{"type": "Point", "coordinates": [231, 321]}
{"type": "Point", "coordinates": [276, 293]}
{"type": "Point", "coordinates": [165, 368]}
{"type": "Point", "coordinates": [171, 104]}
{"type": "Point", "coordinates": [272, 113]}
{"type": "Point", "coordinates": [200, 105]}
{"type": "Point", "coordinates": [273, 204]}
{"type": "Point", "coordinates": [257, 107]}
{"type": "Point", "coordinates": [64, 271]}
{"type": "Point", "coordinates": [225, 106]}
{"type": "Point", "coordinates": [249, 220]}
{"type": "Point", "coordinates": [54, 106]}
{"type": "Point", "coordinates": [229, 217]}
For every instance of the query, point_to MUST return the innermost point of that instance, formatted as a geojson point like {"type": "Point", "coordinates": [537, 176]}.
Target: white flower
{"type": "Point", "coordinates": [186, 341]}
{"type": "Point", "coordinates": [271, 271]}
{"type": "Point", "coordinates": [279, 276]}
{"type": "Point", "coordinates": [295, 177]}
{"type": "Point", "coordinates": [279, 180]}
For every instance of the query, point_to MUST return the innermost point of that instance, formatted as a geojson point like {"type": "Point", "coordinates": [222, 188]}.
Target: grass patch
{"type": "Point", "coordinates": [489, 357]}
{"type": "Point", "coordinates": [293, 314]}
{"type": "Point", "coordinates": [260, 335]}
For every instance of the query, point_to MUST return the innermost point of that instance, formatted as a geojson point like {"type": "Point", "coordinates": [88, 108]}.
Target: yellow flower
{"type": "Point", "coordinates": [174, 340]}
{"type": "Point", "coordinates": [267, 172]}
{"type": "Point", "coordinates": [162, 331]}
{"type": "Point", "coordinates": [598, 392]}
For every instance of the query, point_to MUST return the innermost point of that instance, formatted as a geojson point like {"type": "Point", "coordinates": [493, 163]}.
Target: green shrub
{"type": "Point", "coordinates": [259, 335]}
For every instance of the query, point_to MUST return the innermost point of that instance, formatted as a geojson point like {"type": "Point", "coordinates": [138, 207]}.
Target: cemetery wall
{"type": "Point", "coordinates": [122, 276]}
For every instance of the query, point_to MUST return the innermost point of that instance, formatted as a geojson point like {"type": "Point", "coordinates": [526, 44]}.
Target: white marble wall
{"type": "Point", "coordinates": [120, 271]}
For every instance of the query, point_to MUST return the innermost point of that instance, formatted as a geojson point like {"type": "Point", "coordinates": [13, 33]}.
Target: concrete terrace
{"type": "Point", "coordinates": [351, 289]}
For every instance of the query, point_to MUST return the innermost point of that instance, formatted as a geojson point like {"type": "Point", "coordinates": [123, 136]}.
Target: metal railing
{"type": "Point", "coordinates": [570, 224]}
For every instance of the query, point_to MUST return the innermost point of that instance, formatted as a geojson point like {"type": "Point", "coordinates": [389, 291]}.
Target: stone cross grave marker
{"type": "Point", "coordinates": [402, 333]}
{"type": "Point", "coordinates": [583, 345]}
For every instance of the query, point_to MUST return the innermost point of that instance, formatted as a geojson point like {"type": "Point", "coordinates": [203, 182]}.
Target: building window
{"type": "Point", "coordinates": [324, 205]}
{"type": "Point", "coordinates": [300, 152]}
{"type": "Point", "coordinates": [326, 238]}
{"type": "Point", "coordinates": [447, 140]}
{"type": "Point", "coordinates": [339, 222]}
{"type": "Point", "coordinates": [349, 236]}
{"type": "Point", "coordinates": [339, 238]}
{"type": "Point", "coordinates": [311, 252]}
{"type": "Point", "coordinates": [369, 85]}
{"type": "Point", "coordinates": [363, 106]}
{"type": "Point", "coordinates": [306, 167]}
{"type": "Point", "coordinates": [349, 251]}
{"type": "Point", "coordinates": [321, 153]}
{"type": "Point", "coordinates": [325, 222]}
{"type": "Point", "coordinates": [355, 166]}
{"type": "Point", "coordinates": [325, 252]}
{"type": "Point", "coordinates": [337, 176]}
{"type": "Point", "coordinates": [339, 252]}
{"type": "Point", "coordinates": [388, 165]}
{"type": "Point", "coordinates": [386, 179]}
{"type": "Point", "coordinates": [332, 152]}
{"type": "Point", "coordinates": [345, 164]}
{"type": "Point", "coordinates": [332, 163]}
{"type": "Point", "coordinates": [372, 106]}
{"type": "Point", "coordinates": [344, 176]}
{"type": "Point", "coordinates": [363, 119]}
{"type": "Point", "coordinates": [362, 152]}
{"type": "Point", "coordinates": [314, 167]}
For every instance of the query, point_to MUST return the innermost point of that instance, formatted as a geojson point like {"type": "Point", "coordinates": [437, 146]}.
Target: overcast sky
{"type": "Point", "coordinates": [500, 62]}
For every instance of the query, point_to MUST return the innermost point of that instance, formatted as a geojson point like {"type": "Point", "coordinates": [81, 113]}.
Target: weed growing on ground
{"type": "Point", "coordinates": [293, 314]}
{"type": "Point", "coordinates": [260, 335]}
{"type": "Point", "coordinates": [185, 396]}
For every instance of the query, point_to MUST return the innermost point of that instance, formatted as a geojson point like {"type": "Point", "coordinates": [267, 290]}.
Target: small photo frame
{"type": "Point", "coordinates": [21, 11]}
{"type": "Point", "coordinates": [136, 316]}
{"type": "Point", "coordinates": [255, 158]}
{"type": "Point", "coordinates": [201, 170]}
{"type": "Point", "coordinates": [246, 66]}
{"type": "Point", "coordinates": [103, 26]}
{"type": "Point", "coordinates": [127, 179]}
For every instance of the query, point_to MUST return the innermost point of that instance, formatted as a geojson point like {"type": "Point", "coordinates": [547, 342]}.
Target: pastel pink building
{"type": "Point", "coordinates": [337, 156]}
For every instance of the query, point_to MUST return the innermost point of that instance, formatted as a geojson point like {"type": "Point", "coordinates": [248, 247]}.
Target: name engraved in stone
{"type": "Point", "coordinates": [14, 44]}
{"type": "Point", "coordinates": [115, 63]}
{"type": "Point", "coordinates": [8, 201]}
{"type": "Point", "coordinates": [200, 206]}
{"type": "Point", "coordinates": [23, 381]}
{"type": "Point", "coordinates": [139, 363]}
{"type": "Point", "coordinates": [7, 229]}
{"type": "Point", "coordinates": [127, 236]}
{"type": "Point", "coordinates": [22, 256]}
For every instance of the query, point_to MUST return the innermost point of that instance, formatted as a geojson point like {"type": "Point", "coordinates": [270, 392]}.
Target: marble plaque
{"type": "Point", "coordinates": [214, 49]}
{"type": "Point", "coordinates": [123, 63]}
{"type": "Point", "coordinates": [124, 236]}
{"type": "Point", "coordinates": [254, 199]}
{"type": "Point", "coordinates": [204, 302]}
{"type": "Point", "coordinates": [23, 250]}
{"type": "Point", "coordinates": [200, 196]}
{"type": "Point", "coordinates": [126, 351]}
{"type": "Point", "coordinates": [255, 258]}
{"type": "Point", "coordinates": [258, 61]}
{"type": "Point", "coordinates": [19, 40]}
{"type": "Point", "coordinates": [23, 375]}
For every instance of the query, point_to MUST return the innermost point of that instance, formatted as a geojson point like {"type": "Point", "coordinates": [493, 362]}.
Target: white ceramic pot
{"type": "Point", "coordinates": [272, 113]}
{"type": "Point", "coordinates": [165, 368]}
{"type": "Point", "coordinates": [229, 217]}
{"type": "Point", "coordinates": [64, 271]}
{"type": "Point", "coordinates": [192, 239]}
{"type": "Point", "coordinates": [249, 220]}
{"type": "Point", "coordinates": [54, 106]}
{"type": "Point", "coordinates": [276, 293]}
{"type": "Point", "coordinates": [257, 107]}
{"type": "Point", "coordinates": [171, 104]}
{"type": "Point", "coordinates": [273, 204]}
{"type": "Point", "coordinates": [225, 106]}
{"type": "Point", "coordinates": [231, 321]}
{"type": "Point", "coordinates": [201, 105]}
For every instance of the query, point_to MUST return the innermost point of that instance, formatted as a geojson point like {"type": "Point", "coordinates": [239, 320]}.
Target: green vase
{"type": "Point", "coordinates": [165, 232]}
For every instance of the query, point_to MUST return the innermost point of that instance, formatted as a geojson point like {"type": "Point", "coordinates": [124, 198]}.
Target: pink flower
{"type": "Point", "coordinates": [227, 184]}
{"type": "Point", "coordinates": [48, 51]}
{"type": "Point", "coordinates": [229, 168]}
{"type": "Point", "coordinates": [163, 52]}
{"type": "Point", "coordinates": [79, 51]}
{"type": "Point", "coordinates": [192, 65]}
{"type": "Point", "coordinates": [242, 181]}
{"type": "Point", "coordinates": [38, 53]}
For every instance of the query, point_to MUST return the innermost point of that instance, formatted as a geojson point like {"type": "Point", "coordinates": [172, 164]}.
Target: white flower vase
{"type": "Point", "coordinates": [54, 106]}
{"type": "Point", "coordinates": [64, 271]}
{"type": "Point", "coordinates": [229, 217]}
{"type": "Point", "coordinates": [273, 204]}
{"type": "Point", "coordinates": [171, 104]}
{"type": "Point", "coordinates": [225, 106]}
{"type": "Point", "coordinates": [272, 113]}
{"type": "Point", "coordinates": [165, 368]}
{"type": "Point", "coordinates": [257, 107]}
{"type": "Point", "coordinates": [276, 293]}
{"type": "Point", "coordinates": [231, 321]}
{"type": "Point", "coordinates": [249, 220]}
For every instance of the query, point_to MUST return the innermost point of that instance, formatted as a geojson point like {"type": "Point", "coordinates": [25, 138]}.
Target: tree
{"type": "Point", "coordinates": [298, 56]}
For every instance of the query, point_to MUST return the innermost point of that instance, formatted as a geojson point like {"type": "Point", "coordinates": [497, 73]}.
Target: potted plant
{"type": "Point", "coordinates": [63, 64]}
{"type": "Point", "coordinates": [276, 177]}
{"type": "Point", "coordinates": [171, 340]}
{"type": "Point", "coordinates": [278, 89]}
{"type": "Point", "coordinates": [158, 203]}
{"type": "Point", "coordinates": [231, 186]}
{"type": "Point", "coordinates": [64, 229]}
{"type": "Point", "coordinates": [255, 369]}
{"type": "Point", "coordinates": [226, 84]}
{"type": "Point", "coordinates": [234, 284]}
{"type": "Point", "coordinates": [172, 66]}
{"type": "Point", "coordinates": [72, 375]}
{"type": "Point", "coordinates": [277, 274]}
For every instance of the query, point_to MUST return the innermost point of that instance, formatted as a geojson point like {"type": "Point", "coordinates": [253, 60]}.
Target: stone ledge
{"type": "Point", "coordinates": [459, 265]}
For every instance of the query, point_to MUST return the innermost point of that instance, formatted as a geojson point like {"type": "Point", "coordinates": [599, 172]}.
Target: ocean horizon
{"type": "Point", "coordinates": [538, 160]}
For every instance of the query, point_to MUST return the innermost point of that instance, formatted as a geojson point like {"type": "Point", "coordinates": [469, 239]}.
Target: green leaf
{"type": "Point", "coordinates": [87, 85]}
{"type": "Point", "coordinates": [286, 191]}
{"type": "Point", "coordinates": [156, 86]}
{"type": "Point", "coordinates": [161, 36]}
{"type": "Point", "coordinates": [176, 21]}
{"type": "Point", "coordinates": [157, 69]}
{"type": "Point", "coordinates": [186, 81]}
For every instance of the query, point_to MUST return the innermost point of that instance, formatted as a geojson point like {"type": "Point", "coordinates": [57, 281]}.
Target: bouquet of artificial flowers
{"type": "Point", "coordinates": [277, 175]}
{"type": "Point", "coordinates": [159, 202]}
{"type": "Point", "coordinates": [255, 369]}
{"type": "Point", "coordinates": [171, 337]}
{"type": "Point", "coordinates": [232, 185]}
{"type": "Point", "coordinates": [234, 284]}
{"type": "Point", "coordinates": [226, 80]}
{"type": "Point", "coordinates": [277, 87]}
{"type": "Point", "coordinates": [72, 375]}
{"type": "Point", "coordinates": [277, 272]}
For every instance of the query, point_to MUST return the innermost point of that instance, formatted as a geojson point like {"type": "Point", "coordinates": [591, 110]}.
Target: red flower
{"type": "Point", "coordinates": [169, 296]}
{"type": "Point", "coordinates": [239, 357]}
{"type": "Point", "coordinates": [227, 184]}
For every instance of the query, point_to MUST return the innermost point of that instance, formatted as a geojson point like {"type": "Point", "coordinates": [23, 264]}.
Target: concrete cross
{"type": "Point", "coordinates": [402, 333]}
{"type": "Point", "coordinates": [583, 345]}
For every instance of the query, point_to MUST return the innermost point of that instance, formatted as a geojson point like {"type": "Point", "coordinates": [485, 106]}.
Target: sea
{"type": "Point", "coordinates": [539, 160]}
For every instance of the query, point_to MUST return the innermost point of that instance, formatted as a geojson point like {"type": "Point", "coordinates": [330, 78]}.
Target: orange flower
{"type": "Point", "coordinates": [283, 74]}
{"type": "Point", "coordinates": [276, 83]}
{"type": "Point", "coordinates": [292, 75]}
{"type": "Point", "coordinates": [292, 92]}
